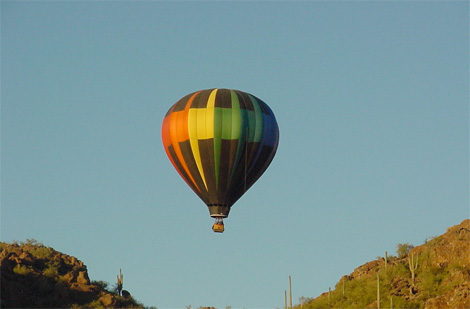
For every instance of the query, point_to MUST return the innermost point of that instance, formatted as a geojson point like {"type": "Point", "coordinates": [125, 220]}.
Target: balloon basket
{"type": "Point", "coordinates": [218, 226]}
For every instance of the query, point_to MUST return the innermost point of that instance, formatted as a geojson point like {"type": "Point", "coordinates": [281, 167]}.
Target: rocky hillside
{"type": "Point", "coordinates": [433, 275]}
{"type": "Point", "coordinates": [33, 275]}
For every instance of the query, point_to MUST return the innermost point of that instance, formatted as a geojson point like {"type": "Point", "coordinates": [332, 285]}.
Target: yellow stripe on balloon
{"type": "Point", "coordinates": [201, 126]}
{"type": "Point", "coordinates": [193, 141]}
{"type": "Point", "coordinates": [201, 123]}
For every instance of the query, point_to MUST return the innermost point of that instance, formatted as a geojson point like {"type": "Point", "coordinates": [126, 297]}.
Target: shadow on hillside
{"type": "Point", "coordinates": [38, 291]}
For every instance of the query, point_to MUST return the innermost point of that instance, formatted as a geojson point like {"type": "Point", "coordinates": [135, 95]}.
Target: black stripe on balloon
{"type": "Point", "coordinates": [181, 104]}
{"type": "Point", "coordinates": [188, 157]}
{"type": "Point", "coordinates": [200, 101]}
{"type": "Point", "coordinates": [223, 98]}
{"type": "Point", "coordinates": [206, 151]}
{"type": "Point", "coordinates": [226, 165]}
{"type": "Point", "coordinates": [185, 176]}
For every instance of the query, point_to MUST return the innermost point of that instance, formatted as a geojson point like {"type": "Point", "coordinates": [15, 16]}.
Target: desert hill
{"type": "Point", "coordinates": [36, 276]}
{"type": "Point", "coordinates": [433, 275]}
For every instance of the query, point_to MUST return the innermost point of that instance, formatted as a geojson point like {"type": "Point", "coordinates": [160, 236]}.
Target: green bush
{"type": "Point", "coordinates": [102, 284]}
{"type": "Point", "coordinates": [52, 269]}
{"type": "Point", "coordinates": [21, 269]}
{"type": "Point", "coordinates": [403, 249]}
{"type": "Point", "coordinates": [51, 272]}
{"type": "Point", "coordinates": [362, 292]}
{"type": "Point", "coordinates": [41, 252]}
{"type": "Point", "coordinates": [31, 242]}
{"type": "Point", "coordinates": [399, 270]}
{"type": "Point", "coordinates": [400, 302]}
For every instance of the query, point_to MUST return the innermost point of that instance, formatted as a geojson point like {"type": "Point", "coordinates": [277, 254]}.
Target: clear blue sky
{"type": "Point", "coordinates": [372, 101]}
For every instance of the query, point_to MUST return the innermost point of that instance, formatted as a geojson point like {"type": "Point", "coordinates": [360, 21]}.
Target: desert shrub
{"type": "Point", "coordinates": [61, 280]}
{"type": "Point", "coordinates": [400, 302]}
{"type": "Point", "coordinates": [302, 300]}
{"type": "Point", "coordinates": [399, 270]}
{"type": "Point", "coordinates": [41, 252]}
{"type": "Point", "coordinates": [403, 249]}
{"type": "Point", "coordinates": [32, 242]}
{"type": "Point", "coordinates": [21, 269]}
{"type": "Point", "coordinates": [430, 282]}
{"type": "Point", "coordinates": [51, 272]}
{"type": "Point", "coordinates": [362, 292]}
{"type": "Point", "coordinates": [317, 304]}
{"type": "Point", "coordinates": [52, 269]}
{"type": "Point", "coordinates": [102, 284]}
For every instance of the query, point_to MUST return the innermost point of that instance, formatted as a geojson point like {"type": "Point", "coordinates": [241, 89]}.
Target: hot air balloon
{"type": "Point", "coordinates": [220, 141]}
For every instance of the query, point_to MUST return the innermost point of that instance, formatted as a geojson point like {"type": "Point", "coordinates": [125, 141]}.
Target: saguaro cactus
{"type": "Point", "coordinates": [412, 265]}
{"type": "Point", "coordinates": [285, 299]}
{"type": "Point", "coordinates": [386, 260]}
{"type": "Point", "coordinates": [378, 292]}
{"type": "Point", "coordinates": [290, 293]}
{"type": "Point", "coordinates": [329, 296]}
{"type": "Point", "coordinates": [120, 281]}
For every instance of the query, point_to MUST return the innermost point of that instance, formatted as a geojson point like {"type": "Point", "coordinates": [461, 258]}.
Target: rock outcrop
{"type": "Point", "coordinates": [33, 275]}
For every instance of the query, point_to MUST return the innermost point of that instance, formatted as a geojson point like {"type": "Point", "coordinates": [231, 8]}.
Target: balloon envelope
{"type": "Point", "coordinates": [220, 141]}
